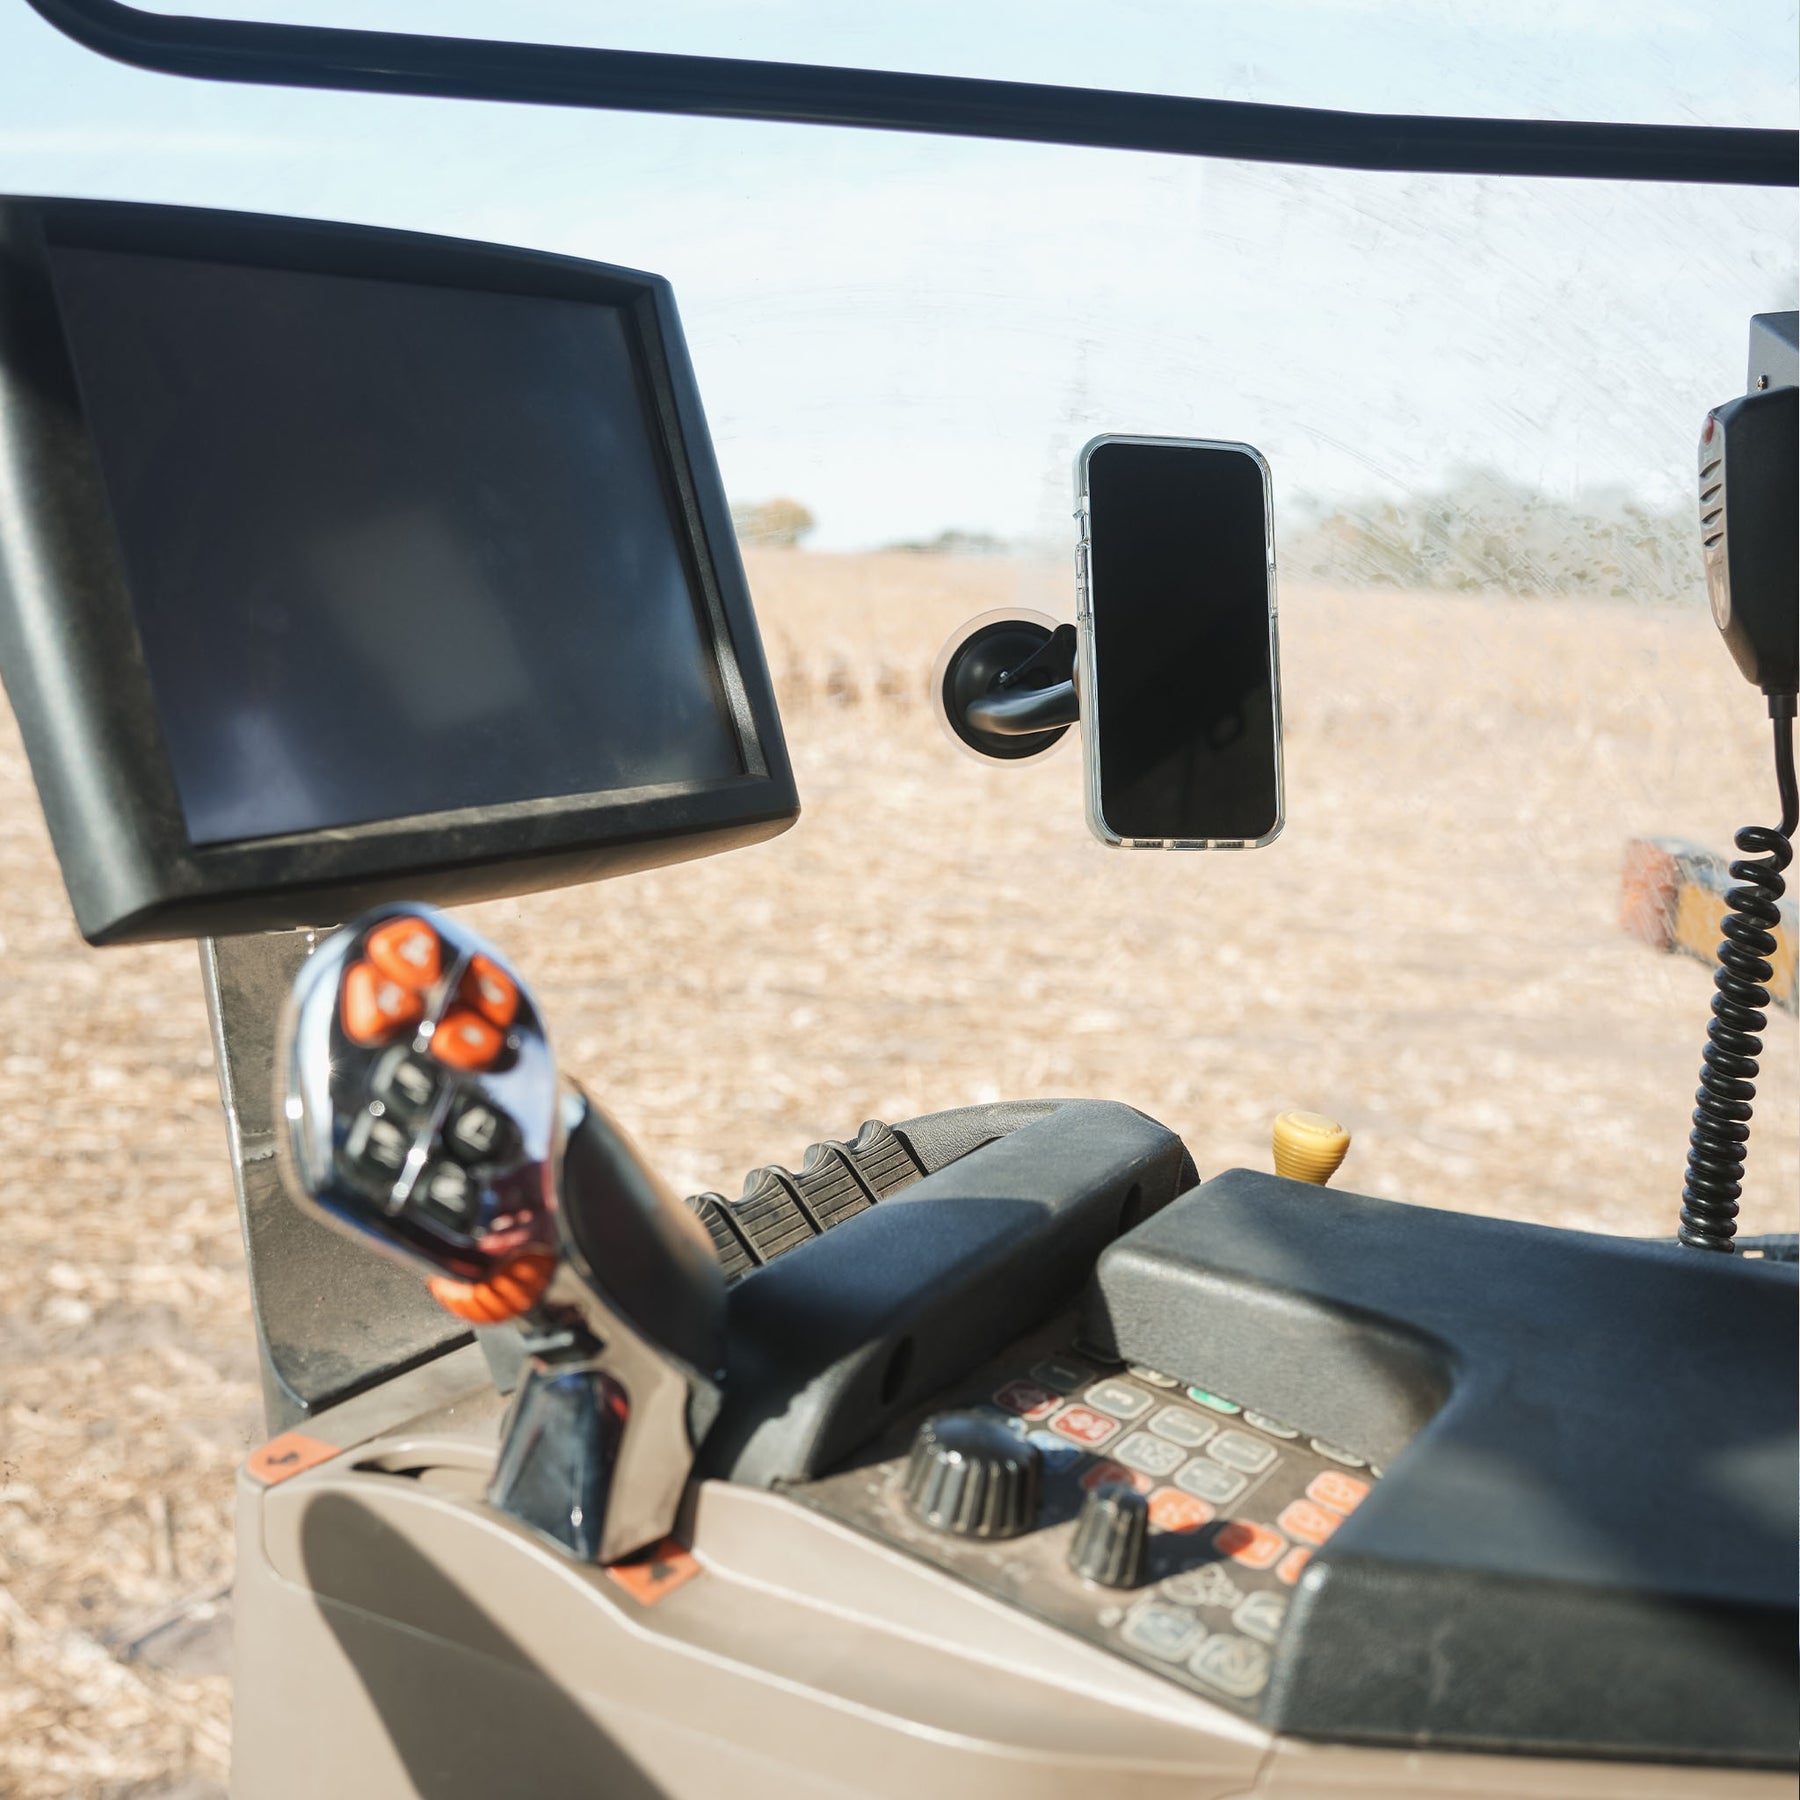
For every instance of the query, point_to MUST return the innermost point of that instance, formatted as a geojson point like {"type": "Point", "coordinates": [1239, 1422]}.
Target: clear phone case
{"type": "Point", "coordinates": [1085, 658]}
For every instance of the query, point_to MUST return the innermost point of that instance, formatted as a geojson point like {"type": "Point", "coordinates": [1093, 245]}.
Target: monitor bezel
{"type": "Point", "coordinates": [79, 682]}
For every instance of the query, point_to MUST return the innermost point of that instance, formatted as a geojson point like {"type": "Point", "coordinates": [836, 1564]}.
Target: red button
{"type": "Point", "coordinates": [1342, 1493]}
{"type": "Point", "coordinates": [465, 1040]}
{"type": "Point", "coordinates": [1105, 1470]}
{"type": "Point", "coordinates": [1082, 1425]}
{"type": "Point", "coordinates": [1291, 1565]}
{"type": "Point", "coordinates": [1028, 1400]}
{"type": "Point", "coordinates": [1255, 1546]}
{"type": "Point", "coordinates": [407, 951]}
{"type": "Point", "coordinates": [491, 991]}
{"type": "Point", "coordinates": [1172, 1510]}
{"type": "Point", "coordinates": [1310, 1524]}
{"type": "Point", "coordinates": [376, 1010]}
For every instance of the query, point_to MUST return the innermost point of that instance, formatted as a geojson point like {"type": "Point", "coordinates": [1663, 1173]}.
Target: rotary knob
{"type": "Point", "coordinates": [1110, 1531]}
{"type": "Point", "coordinates": [970, 1474]}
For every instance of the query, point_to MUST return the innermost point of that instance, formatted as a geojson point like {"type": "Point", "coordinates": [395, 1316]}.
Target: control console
{"type": "Point", "coordinates": [1151, 1516]}
{"type": "Point", "coordinates": [1347, 1469]}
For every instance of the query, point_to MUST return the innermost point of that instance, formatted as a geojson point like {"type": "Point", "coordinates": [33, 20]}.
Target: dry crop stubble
{"type": "Point", "coordinates": [1430, 951]}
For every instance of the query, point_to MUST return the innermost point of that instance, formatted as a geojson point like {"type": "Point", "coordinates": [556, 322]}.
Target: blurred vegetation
{"type": "Point", "coordinates": [779, 523]}
{"type": "Point", "coordinates": [955, 543]}
{"type": "Point", "coordinates": [1481, 533]}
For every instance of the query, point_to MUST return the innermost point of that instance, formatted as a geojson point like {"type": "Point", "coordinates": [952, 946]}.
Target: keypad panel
{"type": "Point", "coordinates": [1239, 1504]}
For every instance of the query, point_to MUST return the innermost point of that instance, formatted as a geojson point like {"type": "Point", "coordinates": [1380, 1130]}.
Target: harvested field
{"type": "Point", "coordinates": [1430, 952]}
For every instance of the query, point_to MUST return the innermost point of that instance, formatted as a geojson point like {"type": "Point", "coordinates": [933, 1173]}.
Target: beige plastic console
{"type": "Point", "coordinates": [396, 1637]}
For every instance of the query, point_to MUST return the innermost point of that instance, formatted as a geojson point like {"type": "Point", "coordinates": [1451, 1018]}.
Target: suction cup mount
{"type": "Point", "coordinates": [1004, 686]}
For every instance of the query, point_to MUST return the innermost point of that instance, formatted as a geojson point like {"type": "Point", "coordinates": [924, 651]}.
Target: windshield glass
{"type": "Point", "coordinates": [1479, 400]}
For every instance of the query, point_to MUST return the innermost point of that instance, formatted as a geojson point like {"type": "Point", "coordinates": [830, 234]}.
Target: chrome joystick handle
{"type": "Point", "coordinates": [422, 1111]}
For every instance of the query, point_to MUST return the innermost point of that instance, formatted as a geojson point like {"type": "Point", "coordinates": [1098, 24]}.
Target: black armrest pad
{"type": "Point", "coordinates": [826, 1345]}
{"type": "Point", "coordinates": [1585, 1539]}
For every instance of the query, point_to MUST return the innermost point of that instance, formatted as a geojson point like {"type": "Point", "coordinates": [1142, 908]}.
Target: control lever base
{"type": "Point", "coordinates": [560, 1453]}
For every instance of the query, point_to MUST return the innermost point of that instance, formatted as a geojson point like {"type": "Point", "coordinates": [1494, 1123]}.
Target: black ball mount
{"type": "Point", "coordinates": [1006, 686]}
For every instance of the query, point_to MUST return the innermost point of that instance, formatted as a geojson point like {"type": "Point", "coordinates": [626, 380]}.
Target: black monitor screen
{"type": "Point", "coordinates": [392, 549]}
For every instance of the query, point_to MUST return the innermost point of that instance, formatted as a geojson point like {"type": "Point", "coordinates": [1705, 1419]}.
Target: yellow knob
{"type": "Point", "coordinates": [1309, 1146]}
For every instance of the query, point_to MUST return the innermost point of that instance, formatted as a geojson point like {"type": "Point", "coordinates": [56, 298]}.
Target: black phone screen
{"type": "Point", "coordinates": [1185, 725]}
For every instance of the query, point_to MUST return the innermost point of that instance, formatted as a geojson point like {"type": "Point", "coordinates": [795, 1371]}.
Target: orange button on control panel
{"type": "Point", "coordinates": [1172, 1510]}
{"type": "Point", "coordinates": [375, 1009]}
{"type": "Point", "coordinates": [407, 951]}
{"type": "Point", "coordinates": [1292, 1565]}
{"type": "Point", "coordinates": [1255, 1546]}
{"type": "Point", "coordinates": [1342, 1493]}
{"type": "Point", "coordinates": [491, 991]}
{"type": "Point", "coordinates": [1105, 1470]}
{"type": "Point", "coordinates": [465, 1040]}
{"type": "Point", "coordinates": [1310, 1524]}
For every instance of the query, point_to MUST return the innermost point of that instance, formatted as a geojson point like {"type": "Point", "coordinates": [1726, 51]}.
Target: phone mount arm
{"type": "Point", "coordinates": [1039, 695]}
{"type": "Point", "coordinates": [1007, 687]}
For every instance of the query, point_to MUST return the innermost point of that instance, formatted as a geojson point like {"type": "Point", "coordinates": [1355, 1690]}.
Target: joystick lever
{"type": "Point", "coordinates": [422, 1110]}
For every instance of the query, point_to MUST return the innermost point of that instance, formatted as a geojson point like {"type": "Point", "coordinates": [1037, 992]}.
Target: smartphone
{"type": "Point", "coordinates": [1179, 678]}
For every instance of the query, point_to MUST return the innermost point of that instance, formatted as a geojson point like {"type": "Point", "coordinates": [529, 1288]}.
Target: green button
{"type": "Point", "coordinates": [1214, 1401]}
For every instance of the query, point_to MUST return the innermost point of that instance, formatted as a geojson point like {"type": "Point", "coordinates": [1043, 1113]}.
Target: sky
{"type": "Point", "coordinates": [914, 334]}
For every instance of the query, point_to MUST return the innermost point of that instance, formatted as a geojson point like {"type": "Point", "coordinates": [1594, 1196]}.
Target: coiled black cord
{"type": "Point", "coordinates": [1717, 1145]}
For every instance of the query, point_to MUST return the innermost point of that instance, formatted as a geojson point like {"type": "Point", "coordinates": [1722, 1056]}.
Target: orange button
{"type": "Point", "coordinates": [407, 951]}
{"type": "Point", "coordinates": [465, 1040]}
{"type": "Point", "coordinates": [515, 1289]}
{"type": "Point", "coordinates": [1310, 1524]}
{"type": "Point", "coordinates": [491, 991]}
{"type": "Point", "coordinates": [1105, 1470]}
{"type": "Point", "coordinates": [1255, 1546]}
{"type": "Point", "coordinates": [1342, 1493]}
{"type": "Point", "coordinates": [1291, 1565]}
{"type": "Point", "coordinates": [1172, 1510]}
{"type": "Point", "coordinates": [375, 1009]}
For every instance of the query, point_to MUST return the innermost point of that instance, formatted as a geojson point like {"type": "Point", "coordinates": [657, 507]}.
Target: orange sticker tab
{"type": "Point", "coordinates": [654, 1574]}
{"type": "Point", "coordinates": [290, 1454]}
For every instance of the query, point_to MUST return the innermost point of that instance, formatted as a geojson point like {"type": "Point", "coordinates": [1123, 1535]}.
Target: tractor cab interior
{"type": "Point", "coordinates": [355, 575]}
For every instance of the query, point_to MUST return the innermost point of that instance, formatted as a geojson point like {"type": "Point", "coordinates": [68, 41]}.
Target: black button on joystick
{"type": "Point", "coordinates": [1110, 1532]}
{"type": "Point", "coordinates": [971, 1475]}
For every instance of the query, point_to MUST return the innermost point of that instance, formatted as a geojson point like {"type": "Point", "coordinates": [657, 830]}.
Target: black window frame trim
{"type": "Point", "coordinates": [891, 100]}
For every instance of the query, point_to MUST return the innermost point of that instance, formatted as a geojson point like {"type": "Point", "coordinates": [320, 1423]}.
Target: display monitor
{"type": "Point", "coordinates": [340, 564]}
